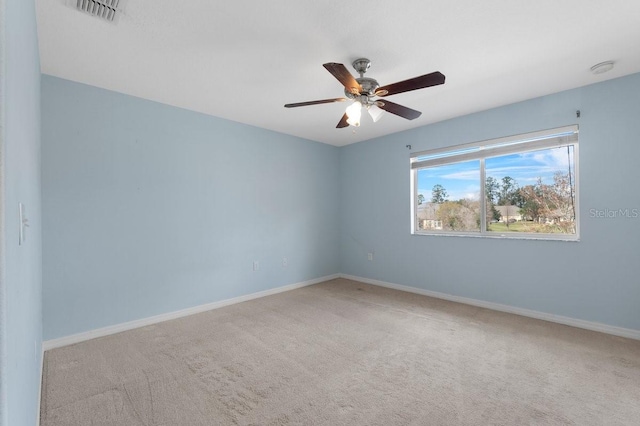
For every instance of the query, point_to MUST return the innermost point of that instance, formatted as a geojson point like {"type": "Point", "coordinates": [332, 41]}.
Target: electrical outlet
{"type": "Point", "coordinates": [285, 262]}
{"type": "Point", "coordinates": [370, 256]}
{"type": "Point", "coordinates": [256, 265]}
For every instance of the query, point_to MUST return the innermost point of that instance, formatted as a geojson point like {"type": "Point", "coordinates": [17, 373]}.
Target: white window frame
{"type": "Point", "coordinates": [522, 143]}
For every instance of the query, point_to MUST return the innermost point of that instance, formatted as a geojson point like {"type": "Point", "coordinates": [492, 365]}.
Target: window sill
{"type": "Point", "coordinates": [501, 236]}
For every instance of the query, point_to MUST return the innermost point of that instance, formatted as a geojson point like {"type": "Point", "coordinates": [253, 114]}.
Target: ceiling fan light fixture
{"type": "Point", "coordinates": [354, 113]}
{"type": "Point", "coordinates": [375, 112]}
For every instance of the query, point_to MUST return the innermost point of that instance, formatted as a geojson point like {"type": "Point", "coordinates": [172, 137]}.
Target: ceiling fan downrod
{"type": "Point", "coordinates": [369, 85]}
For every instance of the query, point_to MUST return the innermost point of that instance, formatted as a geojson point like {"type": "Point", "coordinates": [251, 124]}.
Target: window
{"type": "Point", "coordinates": [528, 184]}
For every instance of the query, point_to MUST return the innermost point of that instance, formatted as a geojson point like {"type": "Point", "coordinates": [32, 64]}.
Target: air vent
{"type": "Point", "coordinates": [103, 9]}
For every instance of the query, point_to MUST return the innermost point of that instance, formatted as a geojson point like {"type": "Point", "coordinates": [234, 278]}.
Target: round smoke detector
{"type": "Point", "coordinates": [602, 67]}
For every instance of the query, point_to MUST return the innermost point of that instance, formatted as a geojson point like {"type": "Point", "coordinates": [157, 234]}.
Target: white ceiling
{"type": "Point", "coordinates": [243, 60]}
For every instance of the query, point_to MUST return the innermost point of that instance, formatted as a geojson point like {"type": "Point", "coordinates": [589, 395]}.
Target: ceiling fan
{"type": "Point", "coordinates": [364, 91]}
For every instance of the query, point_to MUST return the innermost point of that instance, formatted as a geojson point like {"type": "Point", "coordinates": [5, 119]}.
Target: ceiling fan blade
{"type": "Point", "coordinates": [323, 101]}
{"type": "Point", "coordinates": [427, 80]}
{"type": "Point", "coordinates": [402, 111]}
{"type": "Point", "coordinates": [343, 122]}
{"type": "Point", "coordinates": [343, 75]}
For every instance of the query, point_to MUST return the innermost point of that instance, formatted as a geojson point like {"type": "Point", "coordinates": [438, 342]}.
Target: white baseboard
{"type": "Point", "coordinates": [117, 328]}
{"type": "Point", "coordinates": [40, 384]}
{"type": "Point", "coordinates": [106, 331]}
{"type": "Point", "coordinates": [587, 325]}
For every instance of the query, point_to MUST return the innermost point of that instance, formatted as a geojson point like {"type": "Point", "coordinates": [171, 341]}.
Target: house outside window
{"type": "Point", "coordinates": [522, 186]}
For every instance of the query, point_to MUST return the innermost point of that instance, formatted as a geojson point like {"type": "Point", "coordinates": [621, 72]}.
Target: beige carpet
{"type": "Point", "coordinates": [345, 353]}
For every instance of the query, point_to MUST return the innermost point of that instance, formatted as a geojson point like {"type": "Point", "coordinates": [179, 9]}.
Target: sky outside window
{"type": "Point", "coordinates": [462, 180]}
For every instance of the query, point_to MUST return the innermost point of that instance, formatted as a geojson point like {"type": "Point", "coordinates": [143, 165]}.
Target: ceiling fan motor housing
{"type": "Point", "coordinates": [368, 85]}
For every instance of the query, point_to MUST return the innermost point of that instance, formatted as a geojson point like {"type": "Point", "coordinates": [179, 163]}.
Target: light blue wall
{"type": "Point", "coordinates": [20, 280]}
{"type": "Point", "coordinates": [595, 279]}
{"type": "Point", "coordinates": [150, 209]}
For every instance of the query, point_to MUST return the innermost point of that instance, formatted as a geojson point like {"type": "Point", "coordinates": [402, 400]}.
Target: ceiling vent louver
{"type": "Point", "coordinates": [103, 9]}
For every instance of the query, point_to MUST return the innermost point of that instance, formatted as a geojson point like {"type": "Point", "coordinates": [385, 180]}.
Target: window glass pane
{"type": "Point", "coordinates": [532, 192]}
{"type": "Point", "coordinates": [449, 197]}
